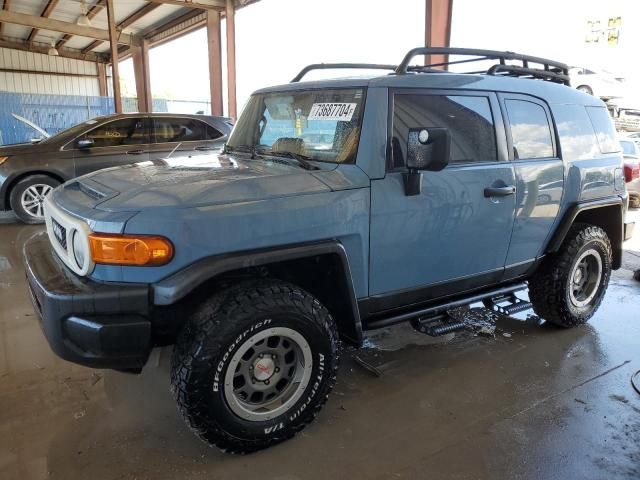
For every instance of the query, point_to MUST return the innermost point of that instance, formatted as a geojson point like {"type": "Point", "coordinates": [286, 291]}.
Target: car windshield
{"type": "Point", "coordinates": [322, 125]}
{"type": "Point", "coordinates": [628, 148]}
{"type": "Point", "coordinates": [72, 132]}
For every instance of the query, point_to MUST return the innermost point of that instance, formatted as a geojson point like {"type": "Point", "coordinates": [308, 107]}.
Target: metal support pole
{"type": "Point", "coordinates": [143, 83]}
{"type": "Point", "coordinates": [437, 28]}
{"type": "Point", "coordinates": [113, 43]}
{"type": "Point", "coordinates": [214, 46]}
{"type": "Point", "coordinates": [231, 59]}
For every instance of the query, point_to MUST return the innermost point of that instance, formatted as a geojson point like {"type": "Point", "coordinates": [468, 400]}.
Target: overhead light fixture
{"type": "Point", "coordinates": [53, 51]}
{"type": "Point", "coordinates": [83, 19]}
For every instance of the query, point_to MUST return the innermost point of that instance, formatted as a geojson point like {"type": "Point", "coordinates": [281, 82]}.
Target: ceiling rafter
{"type": "Point", "coordinates": [18, 44]}
{"type": "Point", "coordinates": [92, 12]}
{"type": "Point", "coordinates": [134, 17]}
{"type": "Point", "coordinates": [60, 26]}
{"type": "Point", "coordinates": [51, 4]}
{"type": "Point", "coordinates": [202, 5]}
{"type": "Point", "coordinates": [5, 6]}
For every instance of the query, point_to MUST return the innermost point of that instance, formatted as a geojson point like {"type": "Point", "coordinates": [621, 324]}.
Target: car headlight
{"type": "Point", "coordinates": [78, 247]}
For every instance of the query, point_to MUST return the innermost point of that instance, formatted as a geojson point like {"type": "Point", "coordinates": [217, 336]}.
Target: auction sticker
{"type": "Point", "coordinates": [341, 112]}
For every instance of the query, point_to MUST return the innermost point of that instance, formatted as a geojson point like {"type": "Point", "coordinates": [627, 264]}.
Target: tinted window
{"type": "Point", "coordinates": [169, 129]}
{"type": "Point", "coordinates": [468, 119]}
{"type": "Point", "coordinates": [577, 138]}
{"type": "Point", "coordinates": [128, 131]}
{"type": "Point", "coordinates": [530, 130]}
{"type": "Point", "coordinates": [628, 147]}
{"type": "Point", "coordinates": [603, 126]}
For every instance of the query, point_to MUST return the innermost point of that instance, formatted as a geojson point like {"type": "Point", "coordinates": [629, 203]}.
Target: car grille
{"type": "Point", "coordinates": [59, 232]}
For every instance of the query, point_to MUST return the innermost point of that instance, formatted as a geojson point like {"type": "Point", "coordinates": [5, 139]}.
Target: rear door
{"type": "Point", "coordinates": [455, 234]}
{"type": "Point", "coordinates": [115, 142]}
{"type": "Point", "coordinates": [539, 176]}
{"type": "Point", "coordinates": [182, 135]}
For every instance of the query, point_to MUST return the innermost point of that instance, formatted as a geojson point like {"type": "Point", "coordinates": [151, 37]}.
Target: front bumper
{"type": "Point", "coordinates": [86, 322]}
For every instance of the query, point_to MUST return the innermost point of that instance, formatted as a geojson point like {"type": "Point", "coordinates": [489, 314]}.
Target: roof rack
{"type": "Point", "coordinates": [551, 70]}
{"type": "Point", "coordinates": [548, 70]}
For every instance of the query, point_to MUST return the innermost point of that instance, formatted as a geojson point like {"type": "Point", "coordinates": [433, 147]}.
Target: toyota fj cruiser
{"type": "Point", "coordinates": [336, 207]}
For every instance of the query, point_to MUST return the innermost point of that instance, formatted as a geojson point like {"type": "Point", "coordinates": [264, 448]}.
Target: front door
{"type": "Point", "coordinates": [455, 234]}
{"type": "Point", "coordinates": [116, 142]}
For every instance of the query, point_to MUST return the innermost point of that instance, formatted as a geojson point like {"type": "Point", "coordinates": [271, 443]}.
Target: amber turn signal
{"type": "Point", "coordinates": [3, 159]}
{"type": "Point", "coordinates": [141, 250]}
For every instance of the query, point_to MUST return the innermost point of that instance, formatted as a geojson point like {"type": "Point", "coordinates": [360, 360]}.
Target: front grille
{"type": "Point", "coordinates": [59, 232]}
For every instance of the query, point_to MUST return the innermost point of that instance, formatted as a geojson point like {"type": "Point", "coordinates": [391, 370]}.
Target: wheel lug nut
{"type": "Point", "coordinates": [266, 382]}
{"type": "Point", "coordinates": [277, 370]}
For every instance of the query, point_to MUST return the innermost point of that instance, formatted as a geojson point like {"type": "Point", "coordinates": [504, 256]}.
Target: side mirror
{"type": "Point", "coordinates": [84, 143]}
{"type": "Point", "coordinates": [427, 149]}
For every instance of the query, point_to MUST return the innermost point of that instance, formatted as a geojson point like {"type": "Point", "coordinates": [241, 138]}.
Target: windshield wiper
{"type": "Point", "coordinates": [301, 159]}
{"type": "Point", "coordinates": [244, 149]}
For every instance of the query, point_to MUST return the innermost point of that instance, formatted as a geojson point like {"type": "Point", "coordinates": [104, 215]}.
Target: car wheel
{"type": "Point", "coordinates": [27, 197]}
{"type": "Point", "coordinates": [254, 364]}
{"type": "Point", "coordinates": [569, 286]}
{"type": "Point", "coordinates": [585, 89]}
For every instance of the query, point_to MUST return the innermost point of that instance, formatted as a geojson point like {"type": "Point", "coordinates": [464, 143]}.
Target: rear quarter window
{"type": "Point", "coordinates": [577, 137]}
{"type": "Point", "coordinates": [603, 126]}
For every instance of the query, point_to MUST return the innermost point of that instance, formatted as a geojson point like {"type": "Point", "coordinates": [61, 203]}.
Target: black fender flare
{"type": "Point", "coordinates": [572, 213]}
{"type": "Point", "coordinates": [177, 286]}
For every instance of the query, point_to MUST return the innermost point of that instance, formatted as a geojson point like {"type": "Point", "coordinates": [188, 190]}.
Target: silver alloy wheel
{"type": "Point", "coordinates": [32, 199]}
{"type": "Point", "coordinates": [268, 374]}
{"type": "Point", "coordinates": [585, 278]}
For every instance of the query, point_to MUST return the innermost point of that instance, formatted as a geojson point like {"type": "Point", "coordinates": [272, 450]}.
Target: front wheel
{"type": "Point", "coordinates": [27, 197]}
{"type": "Point", "coordinates": [254, 365]}
{"type": "Point", "coordinates": [569, 286]}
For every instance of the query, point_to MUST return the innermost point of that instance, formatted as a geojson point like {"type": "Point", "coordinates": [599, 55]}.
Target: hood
{"type": "Point", "coordinates": [204, 180]}
{"type": "Point", "coordinates": [25, 148]}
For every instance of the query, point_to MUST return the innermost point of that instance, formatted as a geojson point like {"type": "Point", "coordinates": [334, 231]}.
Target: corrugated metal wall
{"type": "Point", "coordinates": [46, 84]}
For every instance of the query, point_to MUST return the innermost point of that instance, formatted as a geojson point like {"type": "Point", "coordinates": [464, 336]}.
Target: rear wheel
{"type": "Point", "coordinates": [254, 365]}
{"type": "Point", "coordinates": [27, 197]}
{"type": "Point", "coordinates": [569, 286]}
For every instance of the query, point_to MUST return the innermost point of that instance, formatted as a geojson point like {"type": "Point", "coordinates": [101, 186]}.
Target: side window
{"type": "Point", "coordinates": [177, 129]}
{"type": "Point", "coordinates": [530, 130]}
{"type": "Point", "coordinates": [577, 138]}
{"type": "Point", "coordinates": [127, 131]}
{"type": "Point", "coordinates": [605, 131]}
{"type": "Point", "coordinates": [468, 118]}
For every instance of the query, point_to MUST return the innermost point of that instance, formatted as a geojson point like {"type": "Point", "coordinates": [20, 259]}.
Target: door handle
{"type": "Point", "coordinates": [499, 191]}
{"type": "Point", "coordinates": [135, 152]}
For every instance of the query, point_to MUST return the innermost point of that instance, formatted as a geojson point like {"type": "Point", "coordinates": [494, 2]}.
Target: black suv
{"type": "Point", "coordinates": [28, 172]}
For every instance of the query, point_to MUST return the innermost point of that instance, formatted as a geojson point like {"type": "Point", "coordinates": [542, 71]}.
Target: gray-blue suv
{"type": "Point", "coordinates": [337, 206]}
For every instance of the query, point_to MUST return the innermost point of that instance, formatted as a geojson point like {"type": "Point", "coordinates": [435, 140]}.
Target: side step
{"type": "Point", "coordinates": [438, 325]}
{"type": "Point", "coordinates": [507, 304]}
{"type": "Point", "coordinates": [425, 314]}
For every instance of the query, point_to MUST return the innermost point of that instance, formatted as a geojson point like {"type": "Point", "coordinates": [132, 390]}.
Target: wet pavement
{"type": "Point", "coordinates": [533, 402]}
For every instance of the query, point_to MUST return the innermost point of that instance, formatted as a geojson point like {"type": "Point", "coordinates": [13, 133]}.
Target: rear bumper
{"type": "Point", "coordinates": [93, 324]}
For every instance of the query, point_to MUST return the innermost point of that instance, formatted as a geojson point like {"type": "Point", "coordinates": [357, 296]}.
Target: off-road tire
{"type": "Point", "coordinates": [19, 188]}
{"type": "Point", "coordinates": [549, 286]}
{"type": "Point", "coordinates": [217, 329]}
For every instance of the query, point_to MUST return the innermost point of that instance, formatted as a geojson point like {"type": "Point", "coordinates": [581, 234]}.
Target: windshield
{"type": "Point", "coordinates": [75, 130]}
{"type": "Point", "coordinates": [321, 125]}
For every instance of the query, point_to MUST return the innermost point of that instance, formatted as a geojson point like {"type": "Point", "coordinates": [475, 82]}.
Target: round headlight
{"type": "Point", "coordinates": [78, 249]}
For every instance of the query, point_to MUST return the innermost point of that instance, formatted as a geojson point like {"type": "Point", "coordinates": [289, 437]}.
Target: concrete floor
{"type": "Point", "coordinates": [536, 403]}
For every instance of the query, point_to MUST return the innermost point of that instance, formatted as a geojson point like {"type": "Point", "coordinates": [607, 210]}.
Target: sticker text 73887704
{"type": "Point", "coordinates": [341, 112]}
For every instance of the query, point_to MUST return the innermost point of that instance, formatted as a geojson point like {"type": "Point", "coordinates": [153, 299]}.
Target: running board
{"type": "Point", "coordinates": [507, 304]}
{"type": "Point", "coordinates": [432, 311]}
{"type": "Point", "coordinates": [437, 325]}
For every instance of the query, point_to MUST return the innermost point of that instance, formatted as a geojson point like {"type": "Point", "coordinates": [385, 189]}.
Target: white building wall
{"type": "Point", "coordinates": [47, 84]}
